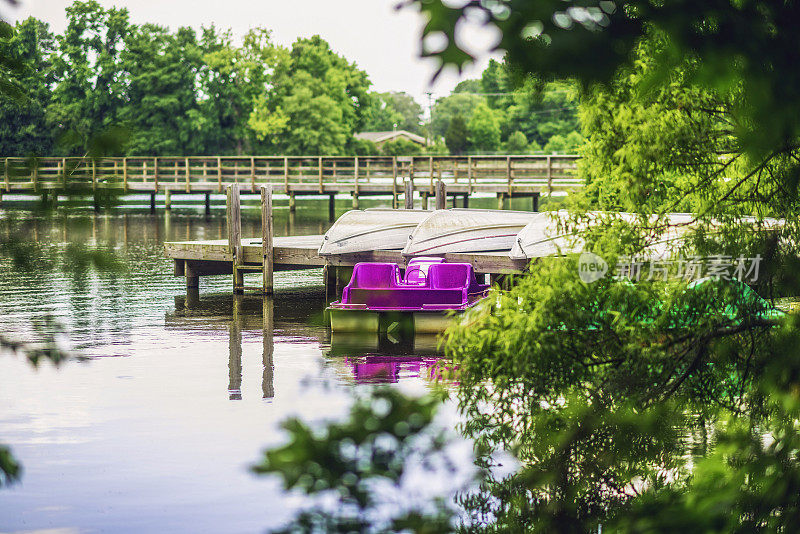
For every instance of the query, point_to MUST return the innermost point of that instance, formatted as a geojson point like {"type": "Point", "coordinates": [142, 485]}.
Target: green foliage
{"type": "Point", "coordinates": [10, 469]}
{"type": "Point", "coordinates": [457, 136]}
{"type": "Point", "coordinates": [484, 128]}
{"type": "Point", "coordinates": [517, 144]}
{"type": "Point", "coordinates": [383, 434]}
{"type": "Point", "coordinates": [746, 49]}
{"type": "Point", "coordinates": [569, 144]}
{"type": "Point", "coordinates": [451, 106]}
{"type": "Point", "coordinates": [24, 92]}
{"type": "Point", "coordinates": [393, 110]}
{"type": "Point", "coordinates": [401, 147]}
{"type": "Point", "coordinates": [322, 95]}
{"type": "Point", "coordinates": [363, 147]}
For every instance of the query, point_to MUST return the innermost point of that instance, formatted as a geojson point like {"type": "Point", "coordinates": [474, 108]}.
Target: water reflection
{"type": "Point", "coordinates": [373, 358]}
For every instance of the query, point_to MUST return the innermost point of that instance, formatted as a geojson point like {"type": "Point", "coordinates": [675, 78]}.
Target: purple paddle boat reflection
{"type": "Point", "coordinates": [379, 299]}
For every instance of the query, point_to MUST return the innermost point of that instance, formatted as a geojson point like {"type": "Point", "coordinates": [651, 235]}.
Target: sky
{"type": "Point", "coordinates": [379, 39]}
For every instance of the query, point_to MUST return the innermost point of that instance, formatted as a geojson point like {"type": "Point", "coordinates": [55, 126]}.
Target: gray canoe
{"type": "Point", "coordinates": [371, 229]}
{"type": "Point", "coordinates": [467, 230]}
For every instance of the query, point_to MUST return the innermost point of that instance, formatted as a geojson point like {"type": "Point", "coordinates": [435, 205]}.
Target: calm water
{"type": "Point", "coordinates": [178, 396]}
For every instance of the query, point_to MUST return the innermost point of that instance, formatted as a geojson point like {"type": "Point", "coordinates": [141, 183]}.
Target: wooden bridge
{"type": "Point", "coordinates": [505, 176]}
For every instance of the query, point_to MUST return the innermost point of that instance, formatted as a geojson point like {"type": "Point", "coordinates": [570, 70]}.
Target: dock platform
{"type": "Point", "coordinates": [214, 257]}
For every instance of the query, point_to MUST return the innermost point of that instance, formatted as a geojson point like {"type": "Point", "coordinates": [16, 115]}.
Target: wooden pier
{"type": "Point", "coordinates": [504, 176]}
{"type": "Point", "coordinates": [237, 256]}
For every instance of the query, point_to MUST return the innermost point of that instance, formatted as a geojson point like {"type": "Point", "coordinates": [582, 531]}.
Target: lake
{"type": "Point", "coordinates": [177, 396]}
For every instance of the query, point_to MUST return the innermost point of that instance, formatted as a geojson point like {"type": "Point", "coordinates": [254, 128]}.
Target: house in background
{"type": "Point", "coordinates": [381, 138]}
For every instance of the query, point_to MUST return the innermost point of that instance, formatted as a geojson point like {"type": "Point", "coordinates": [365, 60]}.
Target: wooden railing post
{"type": "Point", "coordinates": [253, 173]}
{"type": "Point", "coordinates": [549, 176]}
{"type": "Point", "coordinates": [508, 174]}
{"type": "Point", "coordinates": [430, 172]}
{"type": "Point", "coordinates": [469, 175]}
{"type": "Point", "coordinates": [355, 175]}
{"type": "Point", "coordinates": [155, 174]}
{"type": "Point", "coordinates": [35, 163]}
{"type": "Point", "coordinates": [234, 220]}
{"type": "Point", "coordinates": [7, 181]}
{"type": "Point", "coordinates": [188, 174]}
{"type": "Point", "coordinates": [64, 170]}
{"type": "Point", "coordinates": [219, 173]}
{"type": "Point", "coordinates": [266, 238]}
{"type": "Point", "coordinates": [286, 174]}
{"type": "Point", "coordinates": [394, 182]}
{"type": "Point", "coordinates": [319, 163]}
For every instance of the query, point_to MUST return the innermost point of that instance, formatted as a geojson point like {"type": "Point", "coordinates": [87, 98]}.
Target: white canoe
{"type": "Point", "coordinates": [467, 230]}
{"type": "Point", "coordinates": [545, 237]}
{"type": "Point", "coordinates": [371, 229]}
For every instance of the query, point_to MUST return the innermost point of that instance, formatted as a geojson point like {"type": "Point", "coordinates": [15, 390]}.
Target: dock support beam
{"type": "Point", "coordinates": [167, 199]}
{"type": "Point", "coordinates": [424, 196]}
{"type": "Point", "coordinates": [355, 201]}
{"type": "Point", "coordinates": [192, 279]}
{"type": "Point", "coordinates": [535, 202]}
{"type": "Point", "coordinates": [329, 276]}
{"type": "Point", "coordinates": [152, 202]}
{"type": "Point", "coordinates": [266, 238]}
{"type": "Point", "coordinates": [208, 203]}
{"type": "Point", "coordinates": [408, 192]}
{"type": "Point", "coordinates": [441, 195]}
{"type": "Point", "coordinates": [501, 197]}
{"type": "Point", "coordinates": [331, 208]}
{"type": "Point", "coordinates": [234, 220]}
{"type": "Point", "coordinates": [292, 202]}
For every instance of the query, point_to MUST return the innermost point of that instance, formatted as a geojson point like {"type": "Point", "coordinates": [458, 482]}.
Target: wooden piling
{"type": "Point", "coordinates": [267, 379]}
{"type": "Point", "coordinates": [535, 202]}
{"type": "Point", "coordinates": [292, 202]}
{"type": "Point", "coordinates": [208, 203]}
{"type": "Point", "coordinates": [152, 202]}
{"type": "Point", "coordinates": [266, 238]}
{"type": "Point", "coordinates": [168, 199]}
{"type": "Point", "coordinates": [192, 279]}
{"type": "Point", "coordinates": [500, 200]}
{"type": "Point", "coordinates": [408, 188]}
{"type": "Point", "coordinates": [234, 223]}
{"type": "Point", "coordinates": [331, 208]}
{"type": "Point", "coordinates": [441, 195]}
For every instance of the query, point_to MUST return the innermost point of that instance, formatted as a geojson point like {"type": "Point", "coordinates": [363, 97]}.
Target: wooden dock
{"type": "Point", "coordinates": [504, 176]}
{"type": "Point", "coordinates": [237, 256]}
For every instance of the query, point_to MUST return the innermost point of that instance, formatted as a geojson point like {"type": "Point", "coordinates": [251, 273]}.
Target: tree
{"type": "Point", "coordinates": [234, 85]}
{"type": "Point", "coordinates": [323, 97]}
{"type": "Point", "coordinates": [568, 144]}
{"type": "Point", "coordinates": [401, 147]}
{"type": "Point", "coordinates": [457, 136]}
{"type": "Point", "coordinates": [393, 110]}
{"type": "Point", "coordinates": [517, 144]}
{"type": "Point", "coordinates": [448, 107]}
{"type": "Point", "coordinates": [23, 128]}
{"type": "Point", "coordinates": [161, 111]}
{"type": "Point", "coordinates": [89, 92]}
{"type": "Point", "coordinates": [484, 128]}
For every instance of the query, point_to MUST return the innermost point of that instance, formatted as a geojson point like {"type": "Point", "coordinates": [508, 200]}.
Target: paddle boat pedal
{"type": "Point", "coordinates": [379, 299]}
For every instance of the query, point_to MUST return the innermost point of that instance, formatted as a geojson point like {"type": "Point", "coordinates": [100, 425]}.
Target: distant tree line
{"type": "Point", "coordinates": [109, 86]}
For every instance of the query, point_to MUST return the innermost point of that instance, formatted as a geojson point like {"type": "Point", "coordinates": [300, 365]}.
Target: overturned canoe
{"type": "Point", "coordinates": [371, 229]}
{"type": "Point", "coordinates": [467, 230]}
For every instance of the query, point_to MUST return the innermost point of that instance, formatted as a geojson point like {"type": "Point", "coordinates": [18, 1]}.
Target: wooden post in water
{"type": "Point", "coordinates": [167, 199]}
{"type": "Point", "coordinates": [234, 220]}
{"type": "Point", "coordinates": [535, 202]}
{"type": "Point", "coordinates": [192, 280]}
{"type": "Point", "coordinates": [292, 202]}
{"type": "Point", "coordinates": [408, 188]}
{"type": "Point", "coordinates": [267, 379]}
{"type": "Point", "coordinates": [331, 207]}
{"type": "Point", "coordinates": [266, 238]}
{"type": "Point", "coordinates": [441, 195]}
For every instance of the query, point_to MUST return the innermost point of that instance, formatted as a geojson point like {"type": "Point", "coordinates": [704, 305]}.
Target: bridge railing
{"type": "Point", "coordinates": [301, 173]}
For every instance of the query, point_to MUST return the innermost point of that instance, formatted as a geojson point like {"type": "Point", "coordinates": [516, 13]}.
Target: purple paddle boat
{"type": "Point", "coordinates": [379, 299]}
